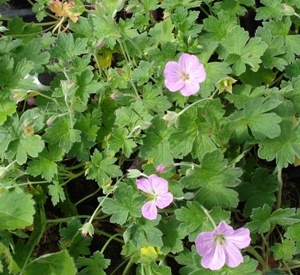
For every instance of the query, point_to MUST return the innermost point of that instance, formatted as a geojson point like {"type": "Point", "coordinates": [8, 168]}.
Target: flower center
{"type": "Point", "coordinates": [219, 239]}
{"type": "Point", "coordinates": [184, 76]}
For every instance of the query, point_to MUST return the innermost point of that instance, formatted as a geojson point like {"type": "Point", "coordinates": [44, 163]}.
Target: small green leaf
{"type": "Point", "coordinates": [102, 168]}
{"type": "Point", "coordinates": [142, 73]}
{"type": "Point", "coordinates": [56, 192]}
{"type": "Point", "coordinates": [93, 265]}
{"type": "Point", "coordinates": [162, 31]}
{"type": "Point", "coordinates": [284, 251]}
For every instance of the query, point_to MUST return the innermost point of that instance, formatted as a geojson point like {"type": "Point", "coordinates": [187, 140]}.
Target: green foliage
{"type": "Point", "coordinates": [16, 209]}
{"type": "Point", "coordinates": [57, 263]}
{"type": "Point", "coordinates": [93, 265]}
{"type": "Point", "coordinates": [84, 112]}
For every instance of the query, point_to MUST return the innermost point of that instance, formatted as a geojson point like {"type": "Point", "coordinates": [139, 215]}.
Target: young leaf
{"type": "Point", "coordinates": [16, 209]}
{"type": "Point", "coordinates": [94, 265]}
{"type": "Point", "coordinates": [284, 250]}
{"type": "Point", "coordinates": [56, 192]}
{"type": "Point", "coordinates": [7, 108]}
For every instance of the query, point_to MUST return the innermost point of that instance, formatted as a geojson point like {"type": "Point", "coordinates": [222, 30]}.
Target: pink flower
{"type": "Point", "coordinates": [184, 75]}
{"type": "Point", "coordinates": [156, 189]}
{"type": "Point", "coordinates": [222, 246]}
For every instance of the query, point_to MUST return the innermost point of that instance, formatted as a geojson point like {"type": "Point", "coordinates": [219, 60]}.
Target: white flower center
{"type": "Point", "coordinates": [184, 76]}
{"type": "Point", "coordinates": [219, 239]}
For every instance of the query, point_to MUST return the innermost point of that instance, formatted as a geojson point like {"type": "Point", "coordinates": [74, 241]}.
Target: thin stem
{"type": "Point", "coordinates": [108, 241]}
{"type": "Point", "coordinates": [98, 207]}
{"type": "Point", "coordinates": [26, 183]}
{"type": "Point", "coordinates": [196, 102]}
{"type": "Point", "coordinates": [87, 197]}
{"type": "Point", "coordinates": [100, 232]}
{"type": "Point", "coordinates": [261, 260]}
{"type": "Point", "coordinates": [280, 186]}
{"type": "Point", "coordinates": [206, 212]}
{"type": "Point", "coordinates": [128, 266]}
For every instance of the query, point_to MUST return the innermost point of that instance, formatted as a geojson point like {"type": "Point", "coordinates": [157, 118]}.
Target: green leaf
{"type": "Point", "coordinates": [194, 220]}
{"type": "Point", "coordinates": [73, 241]}
{"type": "Point", "coordinates": [215, 71]}
{"type": "Point", "coordinates": [56, 192]}
{"type": "Point", "coordinates": [142, 73]}
{"type": "Point", "coordinates": [263, 219]}
{"type": "Point", "coordinates": [94, 265]}
{"type": "Point", "coordinates": [285, 147]}
{"type": "Point", "coordinates": [255, 115]}
{"type": "Point", "coordinates": [6, 256]}
{"type": "Point", "coordinates": [156, 146]}
{"type": "Point", "coordinates": [62, 133]}
{"type": "Point", "coordinates": [272, 9]}
{"type": "Point", "coordinates": [7, 108]}
{"type": "Point", "coordinates": [125, 204]}
{"type": "Point", "coordinates": [171, 236]}
{"type": "Point", "coordinates": [154, 100]}
{"type": "Point", "coordinates": [162, 31]}
{"type": "Point", "coordinates": [119, 140]}
{"type": "Point", "coordinates": [16, 209]}
{"type": "Point", "coordinates": [243, 52]}
{"type": "Point", "coordinates": [67, 48]}
{"type": "Point", "coordinates": [135, 116]}
{"type": "Point", "coordinates": [259, 192]}
{"type": "Point", "coordinates": [284, 251]}
{"type": "Point", "coordinates": [214, 180]}
{"type": "Point", "coordinates": [102, 168]}
{"type": "Point", "coordinates": [54, 263]}
{"type": "Point", "coordinates": [143, 233]}
{"type": "Point", "coordinates": [272, 57]}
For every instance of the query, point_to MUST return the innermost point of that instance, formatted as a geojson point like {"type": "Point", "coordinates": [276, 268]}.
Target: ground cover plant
{"type": "Point", "coordinates": [150, 137]}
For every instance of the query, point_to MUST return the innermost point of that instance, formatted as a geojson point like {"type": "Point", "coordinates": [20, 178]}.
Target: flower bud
{"type": "Point", "coordinates": [171, 118]}
{"type": "Point", "coordinates": [87, 230]}
{"type": "Point", "coordinates": [133, 173]}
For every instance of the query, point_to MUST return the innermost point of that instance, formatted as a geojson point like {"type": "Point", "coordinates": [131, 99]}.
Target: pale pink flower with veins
{"type": "Point", "coordinates": [156, 189]}
{"type": "Point", "coordinates": [222, 246]}
{"type": "Point", "coordinates": [184, 75]}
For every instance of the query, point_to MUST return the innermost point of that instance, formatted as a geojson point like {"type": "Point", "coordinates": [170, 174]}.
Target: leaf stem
{"type": "Point", "coordinates": [206, 212]}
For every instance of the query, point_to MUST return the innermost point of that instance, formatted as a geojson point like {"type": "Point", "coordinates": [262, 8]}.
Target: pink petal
{"type": "Point", "coordinates": [224, 229]}
{"type": "Point", "coordinates": [214, 258]}
{"type": "Point", "coordinates": [190, 87]}
{"type": "Point", "coordinates": [233, 255]}
{"type": "Point", "coordinates": [197, 73]}
{"type": "Point", "coordinates": [203, 241]}
{"type": "Point", "coordinates": [149, 210]}
{"type": "Point", "coordinates": [144, 185]}
{"type": "Point", "coordinates": [187, 61]}
{"type": "Point", "coordinates": [164, 200]}
{"type": "Point", "coordinates": [240, 238]}
{"type": "Point", "coordinates": [172, 75]}
{"type": "Point", "coordinates": [159, 185]}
